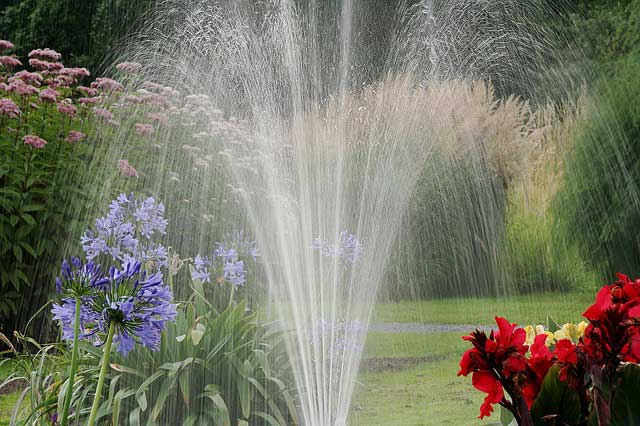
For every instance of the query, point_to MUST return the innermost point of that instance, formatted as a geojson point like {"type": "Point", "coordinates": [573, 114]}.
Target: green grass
{"type": "Point", "coordinates": [427, 391]}
{"type": "Point", "coordinates": [527, 309]}
{"type": "Point", "coordinates": [427, 394]}
{"type": "Point", "coordinates": [7, 402]}
{"type": "Point", "coordinates": [412, 345]}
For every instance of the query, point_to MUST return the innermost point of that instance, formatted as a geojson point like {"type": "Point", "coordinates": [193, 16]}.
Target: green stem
{"type": "Point", "coordinates": [103, 374]}
{"type": "Point", "coordinates": [233, 290]}
{"type": "Point", "coordinates": [74, 366]}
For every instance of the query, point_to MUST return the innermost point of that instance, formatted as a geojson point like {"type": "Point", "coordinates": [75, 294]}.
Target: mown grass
{"type": "Point", "coordinates": [524, 309]}
{"type": "Point", "coordinates": [429, 394]}
{"type": "Point", "coordinates": [426, 394]}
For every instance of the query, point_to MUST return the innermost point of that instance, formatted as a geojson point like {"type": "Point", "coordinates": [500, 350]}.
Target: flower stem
{"type": "Point", "coordinates": [74, 366]}
{"type": "Point", "coordinates": [103, 374]}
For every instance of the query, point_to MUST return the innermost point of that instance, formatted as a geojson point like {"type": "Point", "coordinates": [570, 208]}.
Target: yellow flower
{"type": "Point", "coordinates": [571, 331]}
{"type": "Point", "coordinates": [532, 332]}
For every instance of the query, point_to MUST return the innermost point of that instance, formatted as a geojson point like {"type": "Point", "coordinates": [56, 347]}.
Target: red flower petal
{"type": "Point", "coordinates": [603, 301]}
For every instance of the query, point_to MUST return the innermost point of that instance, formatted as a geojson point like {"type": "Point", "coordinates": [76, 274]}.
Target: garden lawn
{"type": "Point", "coordinates": [523, 310]}
{"type": "Point", "coordinates": [7, 401]}
{"type": "Point", "coordinates": [409, 379]}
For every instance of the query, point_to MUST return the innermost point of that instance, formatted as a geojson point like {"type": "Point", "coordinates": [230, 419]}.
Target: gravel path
{"type": "Point", "coordinates": [416, 327]}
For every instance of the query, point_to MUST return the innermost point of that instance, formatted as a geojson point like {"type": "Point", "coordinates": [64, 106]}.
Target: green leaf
{"type": "Point", "coordinates": [556, 401]}
{"type": "Point", "coordinates": [506, 417]}
{"type": "Point", "coordinates": [17, 252]}
{"type": "Point", "coordinates": [28, 248]}
{"type": "Point", "coordinates": [197, 333]}
{"type": "Point", "coordinates": [28, 219]}
{"type": "Point", "coordinates": [141, 397]}
{"type": "Point", "coordinates": [33, 207]}
{"type": "Point", "coordinates": [625, 407]}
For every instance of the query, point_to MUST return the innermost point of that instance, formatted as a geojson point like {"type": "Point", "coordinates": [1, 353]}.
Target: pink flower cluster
{"type": "Point", "coordinates": [126, 169]}
{"type": "Point", "coordinates": [8, 108]}
{"type": "Point", "coordinates": [129, 67]}
{"type": "Point", "coordinates": [34, 141]}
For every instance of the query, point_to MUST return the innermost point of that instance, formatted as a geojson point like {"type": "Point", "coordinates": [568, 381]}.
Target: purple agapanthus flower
{"type": "Point", "coordinates": [347, 247]}
{"type": "Point", "coordinates": [225, 262]}
{"type": "Point", "coordinates": [138, 303]}
{"type": "Point", "coordinates": [201, 269]}
{"type": "Point", "coordinates": [77, 278]}
{"type": "Point", "coordinates": [129, 231]}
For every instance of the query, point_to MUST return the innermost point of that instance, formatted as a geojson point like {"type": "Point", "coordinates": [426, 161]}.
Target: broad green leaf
{"type": "Point", "coordinates": [556, 399]}
{"type": "Point", "coordinates": [625, 407]}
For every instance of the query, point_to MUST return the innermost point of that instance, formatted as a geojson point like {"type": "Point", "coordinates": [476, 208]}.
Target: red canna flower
{"type": "Point", "coordinates": [539, 363]}
{"type": "Point", "coordinates": [497, 362]}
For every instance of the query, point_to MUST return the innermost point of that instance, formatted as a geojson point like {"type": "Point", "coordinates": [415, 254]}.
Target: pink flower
{"type": "Point", "coordinates": [10, 61]}
{"type": "Point", "coordinates": [102, 113]}
{"type": "Point", "coordinates": [159, 117]}
{"type": "Point", "coordinates": [129, 67]}
{"type": "Point", "coordinates": [32, 78]}
{"type": "Point", "coordinates": [5, 45]}
{"type": "Point", "coordinates": [144, 130]}
{"type": "Point", "coordinates": [127, 169]}
{"type": "Point", "coordinates": [87, 91]}
{"type": "Point", "coordinates": [4, 86]}
{"type": "Point", "coordinates": [106, 84]}
{"type": "Point", "coordinates": [75, 136]}
{"type": "Point", "coordinates": [22, 89]}
{"type": "Point", "coordinates": [134, 99]}
{"type": "Point", "coordinates": [67, 109]}
{"type": "Point", "coordinates": [63, 81]}
{"type": "Point", "coordinates": [34, 141]}
{"type": "Point", "coordinates": [114, 123]}
{"type": "Point", "coordinates": [41, 65]}
{"type": "Point", "coordinates": [91, 101]}
{"type": "Point", "coordinates": [49, 95]}
{"type": "Point", "coordinates": [76, 73]}
{"type": "Point", "coordinates": [9, 108]}
{"type": "Point", "coordinates": [152, 86]}
{"type": "Point", "coordinates": [45, 54]}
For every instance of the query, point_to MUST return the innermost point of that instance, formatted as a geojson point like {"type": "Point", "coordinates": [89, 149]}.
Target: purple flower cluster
{"type": "Point", "coordinates": [138, 303]}
{"type": "Point", "coordinates": [128, 232]}
{"type": "Point", "coordinates": [225, 261]}
{"type": "Point", "coordinates": [347, 247]}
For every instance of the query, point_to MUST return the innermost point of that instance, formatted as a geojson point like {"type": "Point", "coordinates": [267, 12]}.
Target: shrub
{"type": "Point", "coordinates": [43, 140]}
{"type": "Point", "coordinates": [598, 202]}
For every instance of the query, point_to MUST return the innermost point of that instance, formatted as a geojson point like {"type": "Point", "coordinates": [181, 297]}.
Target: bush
{"type": "Point", "coordinates": [43, 141]}
{"type": "Point", "coordinates": [536, 256]}
{"type": "Point", "coordinates": [598, 203]}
